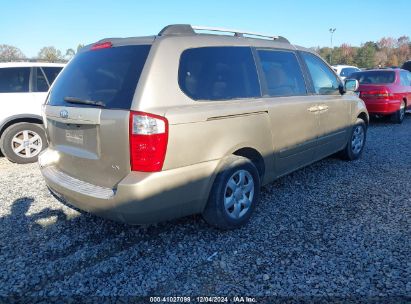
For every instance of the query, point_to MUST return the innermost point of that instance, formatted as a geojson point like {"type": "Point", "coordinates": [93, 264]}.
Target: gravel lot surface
{"type": "Point", "coordinates": [335, 228]}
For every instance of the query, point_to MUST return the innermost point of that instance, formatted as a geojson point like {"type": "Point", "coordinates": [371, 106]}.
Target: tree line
{"type": "Point", "coordinates": [48, 53]}
{"type": "Point", "coordinates": [386, 52]}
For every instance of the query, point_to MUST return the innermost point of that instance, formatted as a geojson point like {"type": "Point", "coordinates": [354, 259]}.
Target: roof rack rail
{"type": "Point", "coordinates": [238, 33]}
{"type": "Point", "coordinates": [187, 29]}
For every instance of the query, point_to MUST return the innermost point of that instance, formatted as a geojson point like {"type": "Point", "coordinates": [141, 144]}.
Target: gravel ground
{"type": "Point", "coordinates": [335, 228]}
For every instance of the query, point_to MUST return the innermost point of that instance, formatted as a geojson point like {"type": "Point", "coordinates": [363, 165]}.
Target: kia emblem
{"type": "Point", "coordinates": [63, 114]}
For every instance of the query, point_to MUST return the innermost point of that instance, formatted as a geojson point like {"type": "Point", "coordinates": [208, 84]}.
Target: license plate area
{"type": "Point", "coordinates": [75, 136]}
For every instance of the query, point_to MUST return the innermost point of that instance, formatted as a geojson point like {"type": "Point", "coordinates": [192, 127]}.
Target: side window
{"type": "Point", "coordinates": [282, 73]}
{"type": "Point", "coordinates": [41, 81]}
{"type": "Point", "coordinates": [346, 72]}
{"type": "Point", "coordinates": [14, 80]}
{"type": "Point", "coordinates": [405, 80]}
{"type": "Point", "coordinates": [51, 73]}
{"type": "Point", "coordinates": [218, 73]}
{"type": "Point", "coordinates": [324, 80]}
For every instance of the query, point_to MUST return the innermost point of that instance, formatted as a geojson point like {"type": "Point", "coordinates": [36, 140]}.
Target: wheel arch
{"type": "Point", "coordinates": [29, 118]}
{"type": "Point", "coordinates": [246, 151]}
{"type": "Point", "coordinates": [254, 156]}
{"type": "Point", "coordinates": [364, 117]}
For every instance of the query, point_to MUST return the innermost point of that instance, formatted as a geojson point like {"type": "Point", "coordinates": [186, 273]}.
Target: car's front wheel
{"type": "Point", "coordinates": [235, 192]}
{"type": "Point", "coordinates": [23, 142]}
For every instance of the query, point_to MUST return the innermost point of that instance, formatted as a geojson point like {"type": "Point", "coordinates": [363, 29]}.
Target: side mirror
{"type": "Point", "coordinates": [351, 85]}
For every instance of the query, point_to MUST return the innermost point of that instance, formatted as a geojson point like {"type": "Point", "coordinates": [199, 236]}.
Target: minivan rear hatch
{"type": "Point", "coordinates": [88, 109]}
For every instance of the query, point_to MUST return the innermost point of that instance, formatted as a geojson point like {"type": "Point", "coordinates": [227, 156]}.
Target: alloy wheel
{"type": "Point", "coordinates": [357, 140]}
{"type": "Point", "coordinates": [239, 194]}
{"type": "Point", "coordinates": [26, 144]}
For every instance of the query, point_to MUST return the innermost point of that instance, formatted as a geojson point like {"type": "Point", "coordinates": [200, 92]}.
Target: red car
{"type": "Point", "coordinates": [385, 91]}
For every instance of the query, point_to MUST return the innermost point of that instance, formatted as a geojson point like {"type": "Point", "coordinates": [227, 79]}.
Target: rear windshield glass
{"type": "Point", "coordinates": [374, 77]}
{"type": "Point", "coordinates": [108, 75]}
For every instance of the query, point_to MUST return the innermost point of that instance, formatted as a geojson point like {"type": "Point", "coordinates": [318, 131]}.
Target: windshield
{"type": "Point", "coordinates": [374, 77]}
{"type": "Point", "coordinates": [106, 76]}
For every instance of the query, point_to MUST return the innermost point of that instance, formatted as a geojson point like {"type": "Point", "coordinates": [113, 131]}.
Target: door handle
{"type": "Point", "coordinates": [323, 108]}
{"type": "Point", "coordinates": [313, 109]}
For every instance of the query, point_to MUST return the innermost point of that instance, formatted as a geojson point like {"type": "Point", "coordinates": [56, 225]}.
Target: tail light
{"type": "Point", "coordinates": [383, 94]}
{"type": "Point", "coordinates": [148, 141]}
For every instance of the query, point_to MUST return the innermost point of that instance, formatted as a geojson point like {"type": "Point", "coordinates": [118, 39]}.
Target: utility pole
{"type": "Point", "coordinates": [332, 30]}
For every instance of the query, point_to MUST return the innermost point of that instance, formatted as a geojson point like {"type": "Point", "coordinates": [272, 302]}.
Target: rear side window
{"type": "Point", "coordinates": [41, 81]}
{"type": "Point", "coordinates": [218, 73]}
{"type": "Point", "coordinates": [324, 80]}
{"type": "Point", "coordinates": [14, 80]}
{"type": "Point", "coordinates": [51, 73]}
{"type": "Point", "coordinates": [374, 77]}
{"type": "Point", "coordinates": [105, 75]}
{"type": "Point", "coordinates": [282, 73]}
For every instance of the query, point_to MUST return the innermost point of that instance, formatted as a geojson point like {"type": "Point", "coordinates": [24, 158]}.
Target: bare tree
{"type": "Point", "coordinates": [50, 54]}
{"type": "Point", "coordinates": [70, 54]}
{"type": "Point", "coordinates": [10, 53]}
{"type": "Point", "coordinates": [79, 47]}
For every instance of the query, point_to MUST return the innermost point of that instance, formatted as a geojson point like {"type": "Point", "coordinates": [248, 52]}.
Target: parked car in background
{"type": "Point", "coordinates": [147, 129]}
{"type": "Point", "coordinates": [345, 70]}
{"type": "Point", "coordinates": [385, 91]}
{"type": "Point", "coordinates": [407, 66]}
{"type": "Point", "coordinates": [23, 90]}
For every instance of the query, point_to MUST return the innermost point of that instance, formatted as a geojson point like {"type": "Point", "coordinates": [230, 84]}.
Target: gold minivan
{"type": "Point", "coordinates": [147, 129]}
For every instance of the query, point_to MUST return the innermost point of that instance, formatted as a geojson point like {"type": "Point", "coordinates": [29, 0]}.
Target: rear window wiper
{"type": "Point", "coordinates": [84, 101]}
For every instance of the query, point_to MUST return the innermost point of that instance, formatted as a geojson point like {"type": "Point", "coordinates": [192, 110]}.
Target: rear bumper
{"type": "Point", "coordinates": [383, 107]}
{"type": "Point", "coordinates": [140, 198]}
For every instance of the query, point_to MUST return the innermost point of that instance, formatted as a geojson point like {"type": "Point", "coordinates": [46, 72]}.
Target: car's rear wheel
{"type": "Point", "coordinates": [356, 143]}
{"type": "Point", "coordinates": [234, 194]}
{"type": "Point", "coordinates": [23, 142]}
{"type": "Point", "coordinates": [399, 116]}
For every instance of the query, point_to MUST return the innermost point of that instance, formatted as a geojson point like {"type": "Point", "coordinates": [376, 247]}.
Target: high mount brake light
{"type": "Point", "coordinates": [102, 45]}
{"type": "Point", "coordinates": [148, 141]}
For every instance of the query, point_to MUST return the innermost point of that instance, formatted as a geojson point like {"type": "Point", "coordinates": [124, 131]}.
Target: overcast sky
{"type": "Point", "coordinates": [30, 25]}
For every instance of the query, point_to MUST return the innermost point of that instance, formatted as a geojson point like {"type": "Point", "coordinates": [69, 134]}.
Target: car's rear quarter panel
{"type": "Point", "coordinates": [201, 131]}
{"type": "Point", "coordinates": [215, 131]}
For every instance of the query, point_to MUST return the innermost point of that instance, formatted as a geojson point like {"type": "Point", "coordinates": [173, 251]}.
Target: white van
{"type": "Point", "coordinates": [23, 89]}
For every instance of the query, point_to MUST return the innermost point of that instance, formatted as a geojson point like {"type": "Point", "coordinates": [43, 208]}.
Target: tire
{"type": "Point", "coordinates": [356, 142]}
{"type": "Point", "coordinates": [223, 212]}
{"type": "Point", "coordinates": [22, 142]}
{"type": "Point", "coordinates": [398, 117]}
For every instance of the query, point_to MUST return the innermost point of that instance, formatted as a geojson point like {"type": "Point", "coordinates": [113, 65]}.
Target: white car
{"type": "Point", "coordinates": [345, 70]}
{"type": "Point", "coordinates": [23, 90]}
